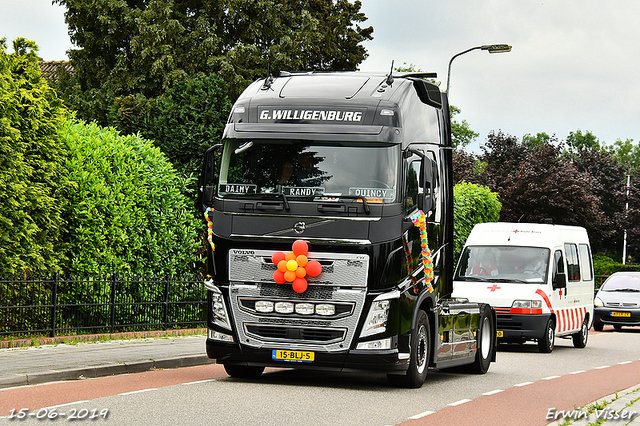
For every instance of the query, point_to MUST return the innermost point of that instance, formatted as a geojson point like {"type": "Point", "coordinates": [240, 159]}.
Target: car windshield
{"type": "Point", "coordinates": [625, 282]}
{"type": "Point", "coordinates": [503, 263]}
{"type": "Point", "coordinates": [309, 169]}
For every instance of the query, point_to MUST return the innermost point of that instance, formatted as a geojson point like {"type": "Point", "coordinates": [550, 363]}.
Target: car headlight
{"type": "Point", "coordinates": [598, 302]}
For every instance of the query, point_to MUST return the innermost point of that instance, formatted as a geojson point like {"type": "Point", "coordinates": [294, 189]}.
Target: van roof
{"type": "Point", "coordinates": [525, 234]}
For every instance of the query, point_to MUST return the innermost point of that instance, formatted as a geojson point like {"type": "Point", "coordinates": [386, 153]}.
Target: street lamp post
{"type": "Point", "coordinates": [492, 48]}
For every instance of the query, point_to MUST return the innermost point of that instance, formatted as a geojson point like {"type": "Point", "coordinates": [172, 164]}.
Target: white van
{"type": "Point", "coordinates": [538, 278]}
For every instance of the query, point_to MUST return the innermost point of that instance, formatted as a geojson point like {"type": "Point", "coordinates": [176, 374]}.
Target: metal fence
{"type": "Point", "coordinates": [75, 304]}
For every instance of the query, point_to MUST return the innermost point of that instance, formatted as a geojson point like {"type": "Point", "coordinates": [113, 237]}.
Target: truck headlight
{"type": "Point", "coordinates": [218, 307]}
{"type": "Point", "coordinates": [378, 315]}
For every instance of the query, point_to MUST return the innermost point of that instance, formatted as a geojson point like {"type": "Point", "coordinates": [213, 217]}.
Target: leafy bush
{"type": "Point", "coordinates": [127, 211]}
{"type": "Point", "coordinates": [32, 178]}
{"type": "Point", "coordinates": [471, 204]}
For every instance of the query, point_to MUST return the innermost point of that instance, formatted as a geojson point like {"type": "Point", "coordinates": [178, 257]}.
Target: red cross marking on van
{"type": "Point", "coordinates": [494, 287]}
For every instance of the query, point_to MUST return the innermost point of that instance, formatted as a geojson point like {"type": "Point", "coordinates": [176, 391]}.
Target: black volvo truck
{"type": "Point", "coordinates": [337, 167]}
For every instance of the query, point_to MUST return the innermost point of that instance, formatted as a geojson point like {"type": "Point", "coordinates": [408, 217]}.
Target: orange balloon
{"type": "Point", "coordinates": [301, 272]}
{"type": "Point", "coordinates": [277, 257]}
{"type": "Point", "coordinates": [278, 277]}
{"type": "Point", "coordinates": [313, 268]}
{"type": "Point", "coordinates": [282, 266]}
{"type": "Point", "coordinates": [300, 247]}
{"type": "Point", "coordinates": [302, 260]}
{"type": "Point", "coordinates": [299, 285]}
{"type": "Point", "coordinates": [290, 256]}
{"type": "Point", "coordinates": [289, 276]}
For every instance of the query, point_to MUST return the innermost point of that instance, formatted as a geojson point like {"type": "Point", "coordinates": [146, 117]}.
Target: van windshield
{"type": "Point", "coordinates": [309, 169]}
{"type": "Point", "coordinates": [503, 263]}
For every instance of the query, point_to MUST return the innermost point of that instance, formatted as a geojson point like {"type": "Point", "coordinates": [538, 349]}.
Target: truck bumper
{"type": "Point", "coordinates": [521, 327]}
{"type": "Point", "coordinates": [382, 361]}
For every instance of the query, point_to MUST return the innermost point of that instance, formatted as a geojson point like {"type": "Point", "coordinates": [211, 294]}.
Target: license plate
{"type": "Point", "coordinates": [292, 356]}
{"type": "Point", "coordinates": [500, 333]}
{"type": "Point", "coordinates": [620, 314]}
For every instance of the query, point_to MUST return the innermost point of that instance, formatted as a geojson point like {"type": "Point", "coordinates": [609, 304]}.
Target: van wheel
{"type": "Point", "coordinates": [581, 337]}
{"type": "Point", "coordinates": [486, 343]}
{"type": "Point", "coordinates": [243, 371]}
{"type": "Point", "coordinates": [420, 352]}
{"type": "Point", "coordinates": [547, 340]}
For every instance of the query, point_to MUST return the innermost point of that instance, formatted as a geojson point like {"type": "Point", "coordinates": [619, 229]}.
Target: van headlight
{"type": "Point", "coordinates": [531, 304]}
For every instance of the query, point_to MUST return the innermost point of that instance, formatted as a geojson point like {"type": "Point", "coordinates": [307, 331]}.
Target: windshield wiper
{"type": "Point", "coordinates": [367, 210]}
{"type": "Point", "coordinates": [633, 290]}
{"type": "Point", "coordinates": [474, 278]}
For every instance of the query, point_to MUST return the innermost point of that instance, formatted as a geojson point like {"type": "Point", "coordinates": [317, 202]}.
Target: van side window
{"type": "Point", "coordinates": [585, 261]}
{"type": "Point", "coordinates": [573, 264]}
{"type": "Point", "coordinates": [412, 185]}
{"type": "Point", "coordinates": [558, 263]}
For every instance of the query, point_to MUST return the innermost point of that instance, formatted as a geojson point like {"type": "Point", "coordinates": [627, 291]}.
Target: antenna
{"type": "Point", "coordinates": [389, 80]}
{"type": "Point", "coordinates": [268, 81]}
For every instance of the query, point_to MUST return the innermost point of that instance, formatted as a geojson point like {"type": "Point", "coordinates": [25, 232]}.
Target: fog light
{"type": "Point", "coordinates": [325, 309]}
{"type": "Point", "coordinates": [375, 344]}
{"type": "Point", "coordinates": [264, 306]}
{"type": "Point", "coordinates": [304, 308]}
{"type": "Point", "coordinates": [284, 307]}
{"type": "Point", "coordinates": [216, 335]}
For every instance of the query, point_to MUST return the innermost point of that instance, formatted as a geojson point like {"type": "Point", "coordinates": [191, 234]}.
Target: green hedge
{"type": "Point", "coordinates": [128, 212]}
{"type": "Point", "coordinates": [472, 204]}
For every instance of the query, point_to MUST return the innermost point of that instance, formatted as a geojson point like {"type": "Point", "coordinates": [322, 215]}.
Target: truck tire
{"type": "Point", "coordinates": [580, 338]}
{"type": "Point", "coordinates": [548, 338]}
{"type": "Point", "coordinates": [420, 355]}
{"type": "Point", "coordinates": [243, 371]}
{"type": "Point", "coordinates": [486, 342]}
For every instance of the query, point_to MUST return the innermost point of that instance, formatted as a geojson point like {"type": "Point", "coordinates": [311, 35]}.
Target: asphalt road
{"type": "Point", "coordinates": [523, 384]}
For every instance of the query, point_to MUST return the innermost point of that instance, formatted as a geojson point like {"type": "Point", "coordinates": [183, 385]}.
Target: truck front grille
{"type": "Point", "coordinates": [342, 284]}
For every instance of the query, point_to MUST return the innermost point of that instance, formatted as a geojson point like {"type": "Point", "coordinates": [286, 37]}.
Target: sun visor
{"type": "Point", "coordinates": [319, 86]}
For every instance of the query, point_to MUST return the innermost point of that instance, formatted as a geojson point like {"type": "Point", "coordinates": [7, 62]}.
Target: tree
{"type": "Point", "coordinates": [628, 154]}
{"type": "Point", "coordinates": [142, 46]}
{"type": "Point", "coordinates": [503, 155]}
{"type": "Point", "coordinates": [576, 141]}
{"type": "Point", "coordinates": [629, 218]}
{"type": "Point", "coordinates": [33, 184]}
{"type": "Point", "coordinates": [472, 204]}
{"type": "Point", "coordinates": [546, 186]}
{"type": "Point", "coordinates": [609, 180]}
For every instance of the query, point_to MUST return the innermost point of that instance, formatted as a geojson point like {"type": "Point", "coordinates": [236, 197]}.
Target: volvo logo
{"type": "Point", "coordinates": [299, 227]}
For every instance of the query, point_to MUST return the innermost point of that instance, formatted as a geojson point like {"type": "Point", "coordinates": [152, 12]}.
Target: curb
{"type": "Point", "coordinates": [102, 370]}
{"type": "Point", "coordinates": [21, 343]}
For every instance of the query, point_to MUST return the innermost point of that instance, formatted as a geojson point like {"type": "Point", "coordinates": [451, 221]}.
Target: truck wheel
{"type": "Point", "coordinates": [598, 326]}
{"type": "Point", "coordinates": [581, 337]}
{"type": "Point", "coordinates": [485, 341]}
{"type": "Point", "coordinates": [420, 352]}
{"type": "Point", "coordinates": [546, 342]}
{"type": "Point", "coordinates": [243, 371]}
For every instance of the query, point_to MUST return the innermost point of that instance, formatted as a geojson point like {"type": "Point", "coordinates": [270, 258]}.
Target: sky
{"type": "Point", "coordinates": [575, 64]}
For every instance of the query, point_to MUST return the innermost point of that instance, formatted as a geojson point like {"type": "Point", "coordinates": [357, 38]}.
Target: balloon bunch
{"type": "Point", "coordinates": [419, 220]}
{"type": "Point", "coordinates": [210, 226]}
{"type": "Point", "coordinates": [294, 266]}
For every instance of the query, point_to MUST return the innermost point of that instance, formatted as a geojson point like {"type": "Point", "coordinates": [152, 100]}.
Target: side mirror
{"type": "Point", "coordinates": [559, 281]}
{"type": "Point", "coordinates": [208, 175]}
{"type": "Point", "coordinates": [427, 196]}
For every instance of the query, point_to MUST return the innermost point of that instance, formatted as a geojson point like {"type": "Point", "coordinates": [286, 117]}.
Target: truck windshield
{"type": "Point", "coordinates": [503, 263]}
{"type": "Point", "coordinates": [309, 169]}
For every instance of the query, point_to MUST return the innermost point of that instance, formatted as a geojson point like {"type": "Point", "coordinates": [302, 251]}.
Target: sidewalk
{"type": "Point", "coordinates": [48, 363]}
